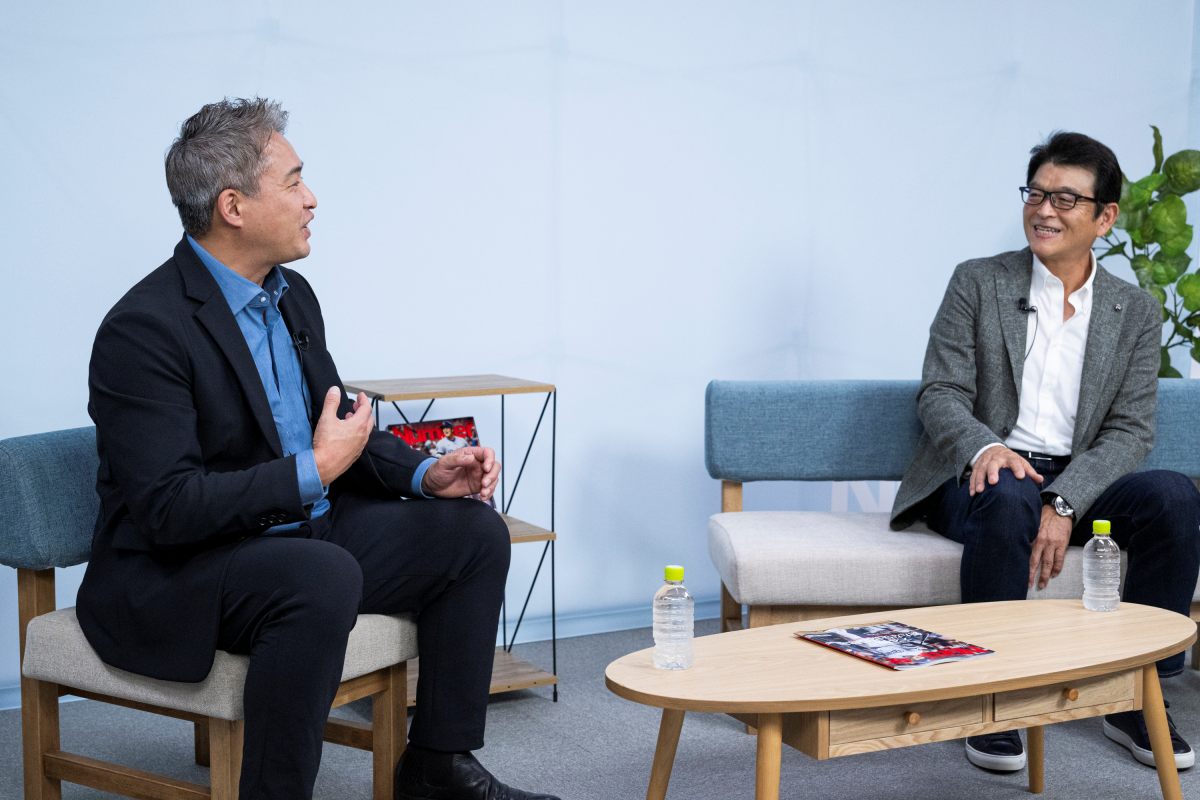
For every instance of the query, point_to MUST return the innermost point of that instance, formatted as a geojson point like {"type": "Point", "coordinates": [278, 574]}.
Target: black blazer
{"type": "Point", "coordinates": [191, 464]}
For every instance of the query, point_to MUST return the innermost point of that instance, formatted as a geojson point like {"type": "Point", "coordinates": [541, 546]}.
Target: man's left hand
{"type": "Point", "coordinates": [467, 470]}
{"type": "Point", "coordinates": [1049, 548]}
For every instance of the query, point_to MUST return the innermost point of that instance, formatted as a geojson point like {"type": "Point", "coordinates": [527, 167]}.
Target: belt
{"type": "Point", "coordinates": [1061, 461]}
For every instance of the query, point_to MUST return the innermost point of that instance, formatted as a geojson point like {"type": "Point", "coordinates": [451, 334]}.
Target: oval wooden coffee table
{"type": "Point", "coordinates": [1054, 661]}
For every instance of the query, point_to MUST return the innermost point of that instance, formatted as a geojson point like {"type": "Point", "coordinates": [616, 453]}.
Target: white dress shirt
{"type": "Point", "coordinates": [1050, 380]}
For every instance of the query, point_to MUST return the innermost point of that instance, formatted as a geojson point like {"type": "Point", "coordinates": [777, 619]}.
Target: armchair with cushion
{"type": "Point", "coordinates": [48, 508]}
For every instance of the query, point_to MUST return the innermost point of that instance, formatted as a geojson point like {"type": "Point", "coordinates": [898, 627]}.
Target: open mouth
{"type": "Point", "coordinates": [1046, 230]}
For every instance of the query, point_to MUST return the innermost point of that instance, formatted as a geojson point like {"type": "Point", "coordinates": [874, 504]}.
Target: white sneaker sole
{"type": "Point", "coordinates": [995, 762]}
{"type": "Point", "coordinates": [1182, 760]}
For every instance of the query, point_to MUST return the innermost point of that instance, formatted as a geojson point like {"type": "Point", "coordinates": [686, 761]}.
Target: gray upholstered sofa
{"type": "Point", "coordinates": [789, 565]}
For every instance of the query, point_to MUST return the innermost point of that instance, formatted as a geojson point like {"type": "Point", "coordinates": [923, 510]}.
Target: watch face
{"type": "Point", "coordinates": [1062, 508]}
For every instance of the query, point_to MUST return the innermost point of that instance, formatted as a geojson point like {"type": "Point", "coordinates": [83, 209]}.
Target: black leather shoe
{"type": "Point", "coordinates": [1000, 752]}
{"type": "Point", "coordinates": [427, 775]}
{"type": "Point", "coordinates": [1128, 728]}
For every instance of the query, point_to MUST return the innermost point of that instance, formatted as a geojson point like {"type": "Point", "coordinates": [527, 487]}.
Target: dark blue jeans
{"type": "Point", "coordinates": [1155, 518]}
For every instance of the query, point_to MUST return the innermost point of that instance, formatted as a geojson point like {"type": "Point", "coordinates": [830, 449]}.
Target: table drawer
{"type": "Point", "coordinates": [1066, 695]}
{"type": "Point", "coordinates": [858, 724]}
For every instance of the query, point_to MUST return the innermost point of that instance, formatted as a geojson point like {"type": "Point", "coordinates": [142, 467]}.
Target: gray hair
{"type": "Point", "coordinates": [219, 147]}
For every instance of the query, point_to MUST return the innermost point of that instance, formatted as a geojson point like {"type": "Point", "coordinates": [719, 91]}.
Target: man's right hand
{"type": "Point", "coordinates": [987, 468]}
{"type": "Point", "coordinates": [337, 443]}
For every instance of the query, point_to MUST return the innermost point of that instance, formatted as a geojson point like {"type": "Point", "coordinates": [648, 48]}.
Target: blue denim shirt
{"type": "Point", "coordinates": [256, 310]}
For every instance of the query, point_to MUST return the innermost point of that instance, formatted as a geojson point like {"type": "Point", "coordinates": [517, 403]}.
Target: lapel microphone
{"type": "Point", "coordinates": [1025, 308]}
{"type": "Point", "coordinates": [300, 338]}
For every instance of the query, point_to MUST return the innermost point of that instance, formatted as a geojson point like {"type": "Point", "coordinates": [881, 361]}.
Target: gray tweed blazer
{"type": "Point", "coordinates": [971, 381]}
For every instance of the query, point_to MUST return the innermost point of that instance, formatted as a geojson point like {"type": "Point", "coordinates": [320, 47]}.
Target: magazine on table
{"type": "Point", "coordinates": [437, 437]}
{"type": "Point", "coordinates": [896, 645]}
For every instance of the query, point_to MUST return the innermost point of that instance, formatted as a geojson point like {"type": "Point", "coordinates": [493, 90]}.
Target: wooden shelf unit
{"type": "Point", "coordinates": [509, 673]}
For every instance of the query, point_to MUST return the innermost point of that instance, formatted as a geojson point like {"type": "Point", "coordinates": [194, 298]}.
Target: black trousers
{"type": "Point", "coordinates": [289, 601]}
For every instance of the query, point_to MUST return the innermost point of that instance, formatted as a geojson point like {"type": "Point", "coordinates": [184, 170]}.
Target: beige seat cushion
{"type": "Point", "coordinates": [846, 559]}
{"type": "Point", "coordinates": [56, 651]}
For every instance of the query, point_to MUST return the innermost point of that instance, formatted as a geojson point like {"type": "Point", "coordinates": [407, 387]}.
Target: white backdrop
{"type": "Point", "coordinates": [627, 201]}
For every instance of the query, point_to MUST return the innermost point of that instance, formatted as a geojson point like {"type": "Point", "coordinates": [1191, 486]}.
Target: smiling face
{"type": "Point", "coordinates": [1063, 240]}
{"type": "Point", "coordinates": [275, 219]}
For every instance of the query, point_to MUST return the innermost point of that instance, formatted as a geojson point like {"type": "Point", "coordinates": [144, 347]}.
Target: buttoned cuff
{"type": "Point", "coordinates": [309, 479]}
{"type": "Point", "coordinates": [419, 476]}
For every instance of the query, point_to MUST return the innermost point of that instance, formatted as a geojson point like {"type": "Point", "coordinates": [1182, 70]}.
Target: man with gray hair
{"type": "Point", "coordinates": [247, 505]}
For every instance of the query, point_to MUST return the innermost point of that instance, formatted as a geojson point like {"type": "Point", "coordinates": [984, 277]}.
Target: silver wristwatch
{"type": "Point", "coordinates": [1062, 507]}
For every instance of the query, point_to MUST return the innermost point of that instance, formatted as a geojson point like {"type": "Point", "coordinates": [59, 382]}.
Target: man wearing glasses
{"type": "Point", "coordinates": [1038, 400]}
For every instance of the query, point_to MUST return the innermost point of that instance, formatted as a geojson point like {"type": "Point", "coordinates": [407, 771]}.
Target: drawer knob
{"type": "Point", "coordinates": [912, 718]}
{"type": "Point", "coordinates": [1071, 694]}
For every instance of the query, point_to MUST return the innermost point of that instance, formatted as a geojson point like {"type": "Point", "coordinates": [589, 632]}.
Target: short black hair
{"type": "Point", "coordinates": [1068, 149]}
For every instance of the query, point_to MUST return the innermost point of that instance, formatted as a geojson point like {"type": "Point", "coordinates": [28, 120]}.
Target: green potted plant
{"type": "Point", "coordinates": [1152, 233]}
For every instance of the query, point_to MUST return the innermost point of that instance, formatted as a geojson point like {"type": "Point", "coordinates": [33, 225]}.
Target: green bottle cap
{"type": "Point", "coordinates": [1101, 527]}
{"type": "Point", "coordinates": [673, 572]}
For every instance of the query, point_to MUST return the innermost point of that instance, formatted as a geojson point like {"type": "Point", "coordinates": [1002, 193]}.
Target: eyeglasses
{"type": "Point", "coordinates": [1063, 201]}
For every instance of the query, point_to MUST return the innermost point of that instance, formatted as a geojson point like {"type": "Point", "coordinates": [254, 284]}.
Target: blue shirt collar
{"type": "Point", "coordinates": [240, 292]}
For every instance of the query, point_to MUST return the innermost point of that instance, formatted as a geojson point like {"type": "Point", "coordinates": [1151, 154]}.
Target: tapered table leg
{"type": "Point", "coordinates": [770, 745]}
{"type": "Point", "coordinates": [1160, 735]}
{"type": "Point", "coordinates": [664, 753]}
{"type": "Point", "coordinates": [1037, 759]}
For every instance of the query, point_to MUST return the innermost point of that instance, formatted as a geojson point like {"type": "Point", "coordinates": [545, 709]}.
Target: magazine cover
{"type": "Point", "coordinates": [436, 437]}
{"type": "Point", "coordinates": [896, 645]}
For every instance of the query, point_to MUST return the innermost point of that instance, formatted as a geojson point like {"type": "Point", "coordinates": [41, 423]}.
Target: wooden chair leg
{"type": "Point", "coordinates": [200, 738]}
{"type": "Point", "coordinates": [39, 700]}
{"type": "Point", "coordinates": [225, 757]}
{"type": "Point", "coordinates": [389, 716]}
{"type": "Point", "coordinates": [39, 734]}
{"type": "Point", "coordinates": [731, 612]}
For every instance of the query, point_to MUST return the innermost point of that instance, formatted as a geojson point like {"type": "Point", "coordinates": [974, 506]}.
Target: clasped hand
{"type": "Point", "coordinates": [467, 470]}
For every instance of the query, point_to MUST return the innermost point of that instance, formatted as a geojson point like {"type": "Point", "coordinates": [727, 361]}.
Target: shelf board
{"type": "Point", "coordinates": [520, 531]}
{"type": "Point", "coordinates": [509, 673]}
{"type": "Point", "coordinates": [394, 390]}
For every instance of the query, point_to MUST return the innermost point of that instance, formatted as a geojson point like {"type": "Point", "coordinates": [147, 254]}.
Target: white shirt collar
{"type": "Point", "coordinates": [1078, 298]}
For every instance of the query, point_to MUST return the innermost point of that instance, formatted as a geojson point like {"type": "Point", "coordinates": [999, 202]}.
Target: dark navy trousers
{"type": "Point", "coordinates": [1155, 518]}
{"type": "Point", "coordinates": [289, 601]}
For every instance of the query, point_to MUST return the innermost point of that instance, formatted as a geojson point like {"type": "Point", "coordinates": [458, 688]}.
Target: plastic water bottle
{"type": "Point", "coordinates": [674, 610]}
{"type": "Point", "coordinates": [1101, 569]}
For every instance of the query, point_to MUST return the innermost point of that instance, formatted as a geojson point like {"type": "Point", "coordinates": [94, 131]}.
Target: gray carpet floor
{"type": "Point", "coordinates": [592, 745]}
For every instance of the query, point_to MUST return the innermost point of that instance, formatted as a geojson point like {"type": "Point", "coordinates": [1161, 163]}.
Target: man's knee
{"type": "Point", "coordinates": [1009, 510]}
{"type": "Point", "coordinates": [1171, 498]}
{"type": "Point", "coordinates": [488, 530]}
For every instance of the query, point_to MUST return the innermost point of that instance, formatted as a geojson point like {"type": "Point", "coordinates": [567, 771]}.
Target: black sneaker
{"type": "Point", "coordinates": [1129, 729]}
{"type": "Point", "coordinates": [1000, 752]}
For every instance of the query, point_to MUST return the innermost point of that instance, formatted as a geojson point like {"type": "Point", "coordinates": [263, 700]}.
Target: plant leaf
{"type": "Point", "coordinates": [1143, 267]}
{"type": "Point", "coordinates": [1158, 153]}
{"type": "Point", "coordinates": [1143, 235]}
{"type": "Point", "coordinates": [1196, 352]}
{"type": "Point", "coordinates": [1161, 295]}
{"type": "Point", "coordinates": [1183, 172]}
{"type": "Point", "coordinates": [1130, 221]}
{"type": "Point", "coordinates": [1165, 370]}
{"type": "Point", "coordinates": [1139, 194]}
{"type": "Point", "coordinates": [1166, 220]}
{"type": "Point", "coordinates": [1189, 289]}
{"type": "Point", "coordinates": [1169, 266]}
{"type": "Point", "coordinates": [1176, 244]}
{"type": "Point", "coordinates": [1116, 249]}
